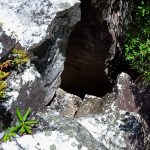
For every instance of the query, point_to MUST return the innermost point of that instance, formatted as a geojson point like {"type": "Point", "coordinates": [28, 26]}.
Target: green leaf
{"type": "Point", "coordinates": [17, 127]}
{"type": "Point", "coordinates": [13, 134]}
{"type": "Point", "coordinates": [31, 122]}
{"type": "Point", "coordinates": [27, 128]}
{"type": "Point", "coordinates": [21, 131]}
{"type": "Point", "coordinates": [19, 115]}
{"type": "Point", "coordinates": [9, 138]}
{"type": "Point", "coordinates": [27, 114]}
{"type": "Point", "coordinates": [5, 137]}
{"type": "Point", "coordinates": [12, 129]}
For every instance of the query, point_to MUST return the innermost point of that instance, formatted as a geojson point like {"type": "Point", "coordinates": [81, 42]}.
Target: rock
{"type": "Point", "coordinates": [29, 19]}
{"type": "Point", "coordinates": [65, 103]}
{"type": "Point", "coordinates": [90, 105]}
{"type": "Point", "coordinates": [116, 130]}
{"type": "Point", "coordinates": [71, 37]}
{"type": "Point", "coordinates": [113, 128]}
{"type": "Point", "coordinates": [6, 44]}
{"type": "Point", "coordinates": [128, 98]}
{"type": "Point", "coordinates": [49, 141]}
{"type": "Point", "coordinates": [125, 96]}
{"type": "Point", "coordinates": [94, 45]}
{"type": "Point", "coordinates": [25, 90]}
{"type": "Point", "coordinates": [50, 53]}
{"type": "Point", "coordinates": [144, 92]}
{"type": "Point", "coordinates": [78, 52]}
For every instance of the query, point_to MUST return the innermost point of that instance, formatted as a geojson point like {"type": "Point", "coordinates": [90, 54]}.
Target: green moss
{"type": "Point", "coordinates": [3, 83]}
{"type": "Point", "coordinates": [19, 57]}
{"type": "Point", "coordinates": [3, 75]}
{"type": "Point", "coordinates": [3, 86]}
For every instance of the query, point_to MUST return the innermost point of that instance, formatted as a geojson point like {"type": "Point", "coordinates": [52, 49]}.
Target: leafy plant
{"type": "Point", "coordinates": [9, 134]}
{"type": "Point", "coordinates": [23, 126]}
{"type": "Point", "coordinates": [137, 45]}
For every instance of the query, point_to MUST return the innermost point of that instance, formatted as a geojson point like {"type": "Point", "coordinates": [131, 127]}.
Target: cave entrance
{"type": "Point", "coordinates": [84, 67]}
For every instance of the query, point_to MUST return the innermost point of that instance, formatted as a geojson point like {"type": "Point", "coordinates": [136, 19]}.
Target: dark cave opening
{"type": "Point", "coordinates": [87, 50]}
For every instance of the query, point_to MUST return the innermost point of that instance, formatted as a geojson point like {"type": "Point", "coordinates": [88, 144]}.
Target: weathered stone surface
{"type": "Point", "coordinates": [24, 90]}
{"type": "Point", "coordinates": [50, 52]}
{"type": "Point", "coordinates": [90, 105]}
{"type": "Point", "coordinates": [65, 103]}
{"type": "Point", "coordinates": [144, 92]}
{"type": "Point", "coordinates": [128, 98]}
{"type": "Point", "coordinates": [113, 130]}
{"type": "Point", "coordinates": [87, 41]}
{"type": "Point", "coordinates": [28, 20]}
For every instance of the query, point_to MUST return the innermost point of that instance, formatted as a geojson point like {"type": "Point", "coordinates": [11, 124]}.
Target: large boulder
{"type": "Point", "coordinates": [24, 90]}
{"type": "Point", "coordinates": [50, 53]}
{"type": "Point", "coordinates": [28, 20]}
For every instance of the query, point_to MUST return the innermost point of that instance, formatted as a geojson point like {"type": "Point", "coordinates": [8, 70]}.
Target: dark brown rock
{"type": "Point", "coordinates": [128, 98]}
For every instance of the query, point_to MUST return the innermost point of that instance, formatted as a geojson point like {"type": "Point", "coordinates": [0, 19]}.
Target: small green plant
{"type": "Point", "coordinates": [23, 126]}
{"type": "Point", "coordinates": [9, 134]}
{"type": "Point", "coordinates": [137, 45]}
{"type": "Point", "coordinates": [19, 57]}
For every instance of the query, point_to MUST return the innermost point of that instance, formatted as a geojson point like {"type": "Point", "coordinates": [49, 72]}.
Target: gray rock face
{"type": "Point", "coordinates": [50, 53]}
{"type": "Point", "coordinates": [24, 90]}
{"type": "Point", "coordinates": [87, 40]}
{"type": "Point", "coordinates": [144, 92]}
{"type": "Point", "coordinates": [29, 19]}
{"type": "Point", "coordinates": [6, 44]}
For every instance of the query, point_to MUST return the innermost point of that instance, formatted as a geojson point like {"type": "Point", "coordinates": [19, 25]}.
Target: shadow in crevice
{"type": "Point", "coordinates": [87, 50]}
{"type": "Point", "coordinates": [5, 118]}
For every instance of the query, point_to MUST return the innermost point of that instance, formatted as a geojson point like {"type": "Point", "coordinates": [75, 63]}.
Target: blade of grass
{"type": "Point", "coordinates": [27, 114]}
{"type": "Point", "coordinates": [19, 116]}
{"type": "Point", "coordinates": [31, 122]}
